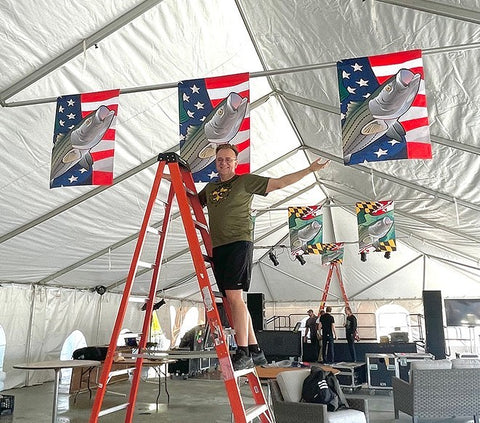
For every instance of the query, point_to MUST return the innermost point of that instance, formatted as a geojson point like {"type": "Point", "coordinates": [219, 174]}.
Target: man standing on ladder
{"type": "Point", "coordinates": [228, 201]}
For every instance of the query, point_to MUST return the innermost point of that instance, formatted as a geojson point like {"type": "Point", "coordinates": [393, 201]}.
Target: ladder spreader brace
{"type": "Point", "coordinates": [183, 188]}
{"type": "Point", "coordinates": [333, 266]}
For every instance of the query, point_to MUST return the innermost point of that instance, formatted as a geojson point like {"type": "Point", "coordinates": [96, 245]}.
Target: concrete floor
{"type": "Point", "coordinates": [196, 400]}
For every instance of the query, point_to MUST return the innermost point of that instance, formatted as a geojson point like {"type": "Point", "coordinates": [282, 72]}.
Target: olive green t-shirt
{"type": "Point", "coordinates": [228, 205]}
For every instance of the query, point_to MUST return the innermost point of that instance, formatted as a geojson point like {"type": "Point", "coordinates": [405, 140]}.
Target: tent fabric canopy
{"type": "Point", "coordinates": [81, 237]}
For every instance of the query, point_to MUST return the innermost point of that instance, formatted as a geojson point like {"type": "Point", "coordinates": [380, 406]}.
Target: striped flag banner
{"type": "Point", "coordinates": [214, 111]}
{"type": "Point", "coordinates": [384, 108]}
{"type": "Point", "coordinates": [84, 139]}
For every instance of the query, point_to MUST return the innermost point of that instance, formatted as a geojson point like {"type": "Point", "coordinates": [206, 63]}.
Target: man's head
{"type": "Point", "coordinates": [348, 310]}
{"type": "Point", "coordinates": [310, 312]}
{"type": "Point", "coordinates": [226, 161]}
{"type": "Point", "coordinates": [329, 309]}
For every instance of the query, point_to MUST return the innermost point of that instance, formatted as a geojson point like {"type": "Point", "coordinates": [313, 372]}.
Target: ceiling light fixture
{"type": "Point", "coordinates": [273, 257]}
{"type": "Point", "coordinates": [300, 258]}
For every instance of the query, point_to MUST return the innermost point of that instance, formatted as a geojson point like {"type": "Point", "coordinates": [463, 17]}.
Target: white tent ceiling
{"type": "Point", "coordinates": [84, 236]}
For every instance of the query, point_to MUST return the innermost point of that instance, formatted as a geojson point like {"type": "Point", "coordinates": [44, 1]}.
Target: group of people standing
{"type": "Point", "coordinates": [321, 331]}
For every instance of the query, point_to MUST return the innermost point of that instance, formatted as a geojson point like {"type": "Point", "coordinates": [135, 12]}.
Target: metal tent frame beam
{"type": "Point", "coordinates": [435, 8]}
{"type": "Point", "coordinates": [77, 49]}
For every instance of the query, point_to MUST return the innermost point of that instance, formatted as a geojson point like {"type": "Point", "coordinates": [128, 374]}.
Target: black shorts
{"type": "Point", "coordinates": [232, 265]}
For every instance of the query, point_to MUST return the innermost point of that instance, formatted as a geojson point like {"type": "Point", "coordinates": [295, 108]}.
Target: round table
{"type": "Point", "coordinates": [56, 365]}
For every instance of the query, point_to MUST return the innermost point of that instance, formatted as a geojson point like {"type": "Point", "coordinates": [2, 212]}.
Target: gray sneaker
{"type": "Point", "coordinates": [241, 361]}
{"type": "Point", "coordinates": [259, 358]}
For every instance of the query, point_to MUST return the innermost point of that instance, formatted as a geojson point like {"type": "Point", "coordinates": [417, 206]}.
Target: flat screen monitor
{"type": "Point", "coordinates": [461, 312]}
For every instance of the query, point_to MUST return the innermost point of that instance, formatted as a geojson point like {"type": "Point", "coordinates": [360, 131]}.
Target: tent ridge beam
{"type": "Point", "coordinates": [334, 110]}
{"type": "Point", "coordinates": [385, 277]}
{"type": "Point", "coordinates": [396, 180]}
{"type": "Point", "coordinates": [76, 201]}
{"type": "Point", "coordinates": [77, 49]}
{"type": "Point", "coordinates": [433, 7]}
{"type": "Point", "coordinates": [265, 73]}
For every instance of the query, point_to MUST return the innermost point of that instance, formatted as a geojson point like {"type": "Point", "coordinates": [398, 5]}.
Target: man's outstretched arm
{"type": "Point", "coordinates": [291, 178]}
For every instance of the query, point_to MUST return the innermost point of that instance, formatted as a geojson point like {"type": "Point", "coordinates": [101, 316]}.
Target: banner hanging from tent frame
{"type": "Point", "coordinates": [376, 227]}
{"type": "Point", "coordinates": [383, 108]}
{"type": "Point", "coordinates": [305, 226]}
{"type": "Point", "coordinates": [214, 111]}
{"type": "Point", "coordinates": [84, 139]}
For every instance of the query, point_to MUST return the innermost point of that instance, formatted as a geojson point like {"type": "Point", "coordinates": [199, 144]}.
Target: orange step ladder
{"type": "Point", "coordinates": [334, 266]}
{"type": "Point", "coordinates": [183, 188]}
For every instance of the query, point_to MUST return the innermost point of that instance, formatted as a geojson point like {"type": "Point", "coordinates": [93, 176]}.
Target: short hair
{"type": "Point", "coordinates": [227, 147]}
{"type": "Point", "coordinates": [310, 311]}
{"type": "Point", "coordinates": [329, 309]}
{"type": "Point", "coordinates": [348, 308]}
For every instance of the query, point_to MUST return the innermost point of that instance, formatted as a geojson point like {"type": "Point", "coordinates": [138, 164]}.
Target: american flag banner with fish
{"type": "Point", "coordinates": [383, 108]}
{"type": "Point", "coordinates": [305, 226]}
{"type": "Point", "coordinates": [84, 139]}
{"type": "Point", "coordinates": [214, 111]}
{"type": "Point", "coordinates": [333, 253]}
{"type": "Point", "coordinates": [376, 226]}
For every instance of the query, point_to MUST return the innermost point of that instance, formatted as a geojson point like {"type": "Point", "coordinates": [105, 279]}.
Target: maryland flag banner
{"type": "Point", "coordinates": [84, 139]}
{"type": "Point", "coordinates": [376, 229]}
{"type": "Point", "coordinates": [383, 108]}
{"type": "Point", "coordinates": [214, 111]}
{"type": "Point", "coordinates": [305, 227]}
{"type": "Point", "coordinates": [333, 253]}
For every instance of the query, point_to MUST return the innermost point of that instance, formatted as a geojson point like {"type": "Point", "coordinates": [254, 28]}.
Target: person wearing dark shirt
{"type": "Point", "coordinates": [350, 328]}
{"type": "Point", "coordinates": [327, 323]}
{"type": "Point", "coordinates": [311, 326]}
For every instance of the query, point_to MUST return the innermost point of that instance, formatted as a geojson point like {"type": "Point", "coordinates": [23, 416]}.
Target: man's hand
{"type": "Point", "coordinates": [316, 165]}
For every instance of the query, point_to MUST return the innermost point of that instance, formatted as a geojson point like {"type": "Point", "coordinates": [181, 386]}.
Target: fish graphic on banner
{"type": "Point", "coordinates": [376, 228]}
{"type": "Point", "coordinates": [305, 228]}
{"type": "Point", "coordinates": [214, 111]}
{"type": "Point", "coordinates": [84, 139]}
{"type": "Point", "coordinates": [383, 108]}
{"type": "Point", "coordinates": [333, 253]}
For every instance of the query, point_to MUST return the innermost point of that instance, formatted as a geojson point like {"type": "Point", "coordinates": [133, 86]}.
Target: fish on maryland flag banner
{"type": "Point", "coordinates": [383, 108]}
{"type": "Point", "coordinates": [214, 111]}
{"type": "Point", "coordinates": [305, 228]}
{"type": "Point", "coordinates": [376, 226]}
{"type": "Point", "coordinates": [84, 139]}
{"type": "Point", "coordinates": [333, 253]}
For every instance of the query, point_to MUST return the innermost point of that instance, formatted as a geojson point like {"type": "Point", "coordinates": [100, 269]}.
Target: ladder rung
{"type": "Point", "coordinates": [145, 264]}
{"type": "Point", "coordinates": [137, 299]}
{"type": "Point", "coordinates": [189, 191]}
{"type": "Point", "coordinates": [153, 230]}
{"type": "Point", "coordinates": [200, 225]}
{"type": "Point", "coordinates": [255, 411]}
{"type": "Point", "coordinates": [113, 409]}
{"type": "Point", "coordinates": [244, 372]}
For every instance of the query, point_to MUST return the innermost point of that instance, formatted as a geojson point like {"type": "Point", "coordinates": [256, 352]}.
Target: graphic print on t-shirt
{"type": "Point", "coordinates": [220, 193]}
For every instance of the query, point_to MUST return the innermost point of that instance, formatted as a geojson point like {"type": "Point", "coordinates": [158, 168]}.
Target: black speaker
{"type": "Point", "coordinates": [256, 307]}
{"type": "Point", "coordinates": [434, 334]}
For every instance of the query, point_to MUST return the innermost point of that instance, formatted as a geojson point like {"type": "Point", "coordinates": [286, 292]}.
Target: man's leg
{"type": "Point", "coordinates": [240, 316]}
{"type": "Point", "coordinates": [241, 323]}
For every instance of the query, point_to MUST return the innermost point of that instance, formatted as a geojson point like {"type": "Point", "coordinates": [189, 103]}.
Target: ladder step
{"type": "Point", "coordinates": [255, 411]}
{"type": "Point", "coordinates": [113, 409]}
{"type": "Point", "coordinates": [145, 264]}
{"type": "Point", "coordinates": [190, 192]}
{"type": "Point", "coordinates": [200, 225]}
{"type": "Point", "coordinates": [153, 230]}
{"type": "Point", "coordinates": [244, 372]}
